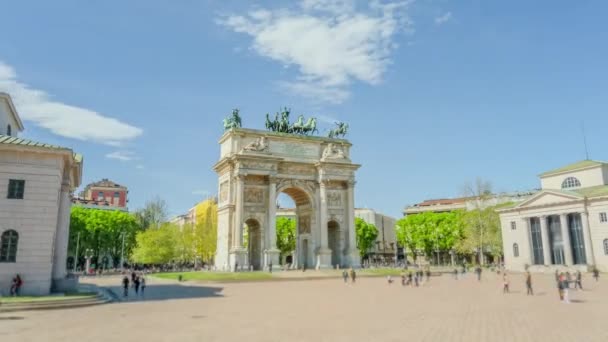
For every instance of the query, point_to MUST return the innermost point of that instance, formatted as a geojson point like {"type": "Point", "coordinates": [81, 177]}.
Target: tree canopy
{"type": "Point", "coordinates": [366, 234]}
{"type": "Point", "coordinates": [102, 232]}
{"type": "Point", "coordinates": [286, 235]}
{"type": "Point", "coordinates": [430, 231]}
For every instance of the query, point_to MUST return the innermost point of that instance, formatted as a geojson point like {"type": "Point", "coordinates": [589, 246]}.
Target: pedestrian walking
{"type": "Point", "coordinates": [596, 273]}
{"type": "Point", "coordinates": [579, 280]}
{"type": "Point", "coordinates": [142, 281]}
{"type": "Point", "coordinates": [125, 285]}
{"type": "Point", "coordinates": [428, 274]}
{"type": "Point", "coordinates": [560, 288]}
{"type": "Point", "coordinates": [505, 283]}
{"type": "Point", "coordinates": [529, 292]}
{"type": "Point", "coordinates": [136, 284]}
{"type": "Point", "coordinates": [478, 271]}
{"type": "Point", "coordinates": [565, 287]}
{"type": "Point", "coordinates": [270, 267]}
{"type": "Point", "coordinates": [345, 276]}
{"type": "Point", "coordinates": [389, 279]}
{"type": "Point", "coordinates": [456, 274]}
{"type": "Point", "coordinates": [402, 279]}
{"type": "Point", "coordinates": [353, 275]}
{"type": "Point", "coordinates": [416, 280]}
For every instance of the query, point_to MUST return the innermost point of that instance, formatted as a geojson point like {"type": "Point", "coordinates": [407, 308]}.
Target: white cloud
{"type": "Point", "coordinates": [443, 18]}
{"type": "Point", "coordinates": [140, 167]}
{"type": "Point", "coordinates": [121, 155]}
{"type": "Point", "coordinates": [332, 43]}
{"type": "Point", "coordinates": [62, 119]}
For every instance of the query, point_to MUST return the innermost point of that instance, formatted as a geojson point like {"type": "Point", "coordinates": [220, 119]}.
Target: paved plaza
{"type": "Point", "coordinates": [328, 310]}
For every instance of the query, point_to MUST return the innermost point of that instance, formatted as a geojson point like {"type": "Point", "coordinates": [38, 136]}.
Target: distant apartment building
{"type": "Point", "coordinates": [385, 247]}
{"type": "Point", "coordinates": [443, 205]}
{"type": "Point", "coordinates": [104, 194]}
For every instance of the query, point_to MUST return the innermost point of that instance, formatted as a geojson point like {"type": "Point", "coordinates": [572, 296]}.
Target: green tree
{"type": "Point", "coordinates": [286, 235]}
{"type": "Point", "coordinates": [205, 231]}
{"type": "Point", "coordinates": [366, 234]}
{"type": "Point", "coordinates": [102, 232]}
{"type": "Point", "coordinates": [430, 232]}
{"type": "Point", "coordinates": [157, 246]}
{"type": "Point", "coordinates": [153, 214]}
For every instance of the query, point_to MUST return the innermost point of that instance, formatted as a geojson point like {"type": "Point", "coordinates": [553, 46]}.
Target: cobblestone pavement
{"type": "Point", "coordinates": [328, 310]}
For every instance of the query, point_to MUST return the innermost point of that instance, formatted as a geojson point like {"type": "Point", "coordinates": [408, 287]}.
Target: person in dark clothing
{"type": "Point", "coordinates": [142, 281]}
{"type": "Point", "coordinates": [16, 285]}
{"type": "Point", "coordinates": [353, 275]}
{"type": "Point", "coordinates": [125, 285]}
{"type": "Point", "coordinates": [530, 292]}
{"type": "Point", "coordinates": [403, 279]}
{"type": "Point", "coordinates": [410, 276]}
{"type": "Point", "coordinates": [345, 276]}
{"type": "Point", "coordinates": [579, 280]}
{"type": "Point", "coordinates": [455, 274]}
{"type": "Point", "coordinates": [270, 267]}
{"type": "Point", "coordinates": [478, 271]}
{"type": "Point", "coordinates": [136, 284]}
{"type": "Point", "coordinates": [428, 275]}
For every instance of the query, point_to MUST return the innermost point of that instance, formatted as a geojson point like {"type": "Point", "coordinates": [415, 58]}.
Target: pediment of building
{"type": "Point", "coordinates": [547, 197]}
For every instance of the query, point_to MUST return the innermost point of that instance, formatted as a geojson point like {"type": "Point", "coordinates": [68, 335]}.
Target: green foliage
{"type": "Point", "coordinates": [482, 228]}
{"type": "Point", "coordinates": [429, 231]}
{"type": "Point", "coordinates": [366, 235]}
{"type": "Point", "coordinates": [286, 235]}
{"type": "Point", "coordinates": [158, 246]}
{"type": "Point", "coordinates": [101, 231]}
{"type": "Point", "coordinates": [215, 276]}
{"type": "Point", "coordinates": [205, 231]}
{"type": "Point", "coordinates": [153, 214]}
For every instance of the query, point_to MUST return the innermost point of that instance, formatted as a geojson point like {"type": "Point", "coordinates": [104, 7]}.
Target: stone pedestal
{"type": "Point", "coordinates": [323, 258]}
{"type": "Point", "coordinates": [354, 258]}
{"type": "Point", "coordinates": [238, 256]}
{"type": "Point", "coordinates": [271, 256]}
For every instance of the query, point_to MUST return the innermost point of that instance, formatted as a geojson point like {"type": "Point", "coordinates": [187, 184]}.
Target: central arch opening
{"type": "Point", "coordinates": [333, 241]}
{"type": "Point", "coordinates": [295, 219]}
{"type": "Point", "coordinates": [253, 242]}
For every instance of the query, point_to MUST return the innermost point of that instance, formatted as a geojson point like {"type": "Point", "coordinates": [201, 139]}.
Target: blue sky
{"type": "Point", "coordinates": [436, 93]}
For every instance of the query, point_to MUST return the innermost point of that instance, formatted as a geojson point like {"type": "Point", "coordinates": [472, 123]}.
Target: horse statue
{"type": "Point", "coordinates": [270, 125]}
{"type": "Point", "coordinates": [298, 126]}
{"type": "Point", "coordinates": [234, 121]}
{"type": "Point", "coordinates": [338, 132]}
{"type": "Point", "coordinates": [284, 126]}
{"type": "Point", "coordinates": [310, 127]}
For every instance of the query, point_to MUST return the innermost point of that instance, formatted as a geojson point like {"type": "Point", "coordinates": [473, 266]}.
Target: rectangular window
{"type": "Point", "coordinates": [100, 195]}
{"type": "Point", "coordinates": [513, 225]}
{"type": "Point", "coordinates": [16, 187]}
{"type": "Point", "coordinates": [603, 218]}
{"type": "Point", "coordinates": [116, 194]}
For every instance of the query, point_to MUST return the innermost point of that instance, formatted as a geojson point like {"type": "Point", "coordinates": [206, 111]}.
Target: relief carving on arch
{"type": "Point", "coordinates": [304, 224]}
{"type": "Point", "coordinates": [254, 195]}
{"type": "Point", "coordinates": [224, 192]}
{"type": "Point", "coordinates": [297, 183]}
{"type": "Point", "coordinates": [296, 169]}
{"type": "Point", "coordinates": [334, 198]}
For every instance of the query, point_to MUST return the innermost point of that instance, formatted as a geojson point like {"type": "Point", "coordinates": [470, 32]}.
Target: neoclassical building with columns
{"type": "Point", "coordinates": [36, 183]}
{"type": "Point", "coordinates": [564, 225]}
{"type": "Point", "coordinates": [317, 173]}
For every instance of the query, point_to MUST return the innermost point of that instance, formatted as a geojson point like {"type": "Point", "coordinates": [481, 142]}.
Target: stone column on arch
{"type": "Point", "coordinates": [323, 252]}
{"type": "Point", "coordinates": [353, 252]}
{"type": "Point", "coordinates": [238, 252]}
{"type": "Point", "coordinates": [589, 255]}
{"type": "Point", "coordinates": [545, 238]}
{"type": "Point", "coordinates": [271, 254]}
{"type": "Point", "coordinates": [567, 246]}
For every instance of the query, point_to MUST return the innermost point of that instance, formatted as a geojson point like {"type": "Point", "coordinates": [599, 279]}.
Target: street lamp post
{"type": "Point", "coordinates": [122, 254]}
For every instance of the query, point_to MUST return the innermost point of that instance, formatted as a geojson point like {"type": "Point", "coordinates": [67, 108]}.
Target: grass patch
{"type": "Point", "coordinates": [215, 276]}
{"type": "Point", "coordinates": [381, 271]}
{"type": "Point", "coordinates": [28, 299]}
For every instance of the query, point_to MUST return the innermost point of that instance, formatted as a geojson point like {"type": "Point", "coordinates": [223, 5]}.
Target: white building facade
{"type": "Point", "coordinates": [564, 225]}
{"type": "Point", "coordinates": [36, 181]}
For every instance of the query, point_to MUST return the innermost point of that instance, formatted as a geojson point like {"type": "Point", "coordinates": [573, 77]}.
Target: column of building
{"type": "Point", "coordinates": [563, 222]}
{"type": "Point", "coordinates": [323, 251]}
{"type": "Point", "coordinates": [353, 252]}
{"type": "Point", "coordinates": [587, 239]}
{"type": "Point", "coordinates": [545, 238]}
{"type": "Point", "coordinates": [237, 251]}
{"type": "Point", "coordinates": [63, 231]}
{"type": "Point", "coordinates": [272, 253]}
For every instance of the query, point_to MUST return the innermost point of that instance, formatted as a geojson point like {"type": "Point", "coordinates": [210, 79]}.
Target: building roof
{"type": "Point", "coordinates": [592, 191]}
{"type": "Point", "coordinates": [583, 164]}
{"type": "Point", "coordinates": [11, 106]}
{"type": "Point", "coordinates": [441, 201]}
{"type": "Point", "coordinates": [8, 140]}
{"type": "Point", "coordinates": [105, 183]}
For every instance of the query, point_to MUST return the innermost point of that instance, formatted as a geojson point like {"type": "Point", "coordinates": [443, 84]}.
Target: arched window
{"type": "Point", "coordinates": [606, 246]}
{"type": "Point", "coordinates": [9, 131]}
{"type": "Point", "coordinates": [515, 250]}
{"type": "Point", "coordinates": [571, 182]}
{"type": "Point", "coordinates": [8, 246]}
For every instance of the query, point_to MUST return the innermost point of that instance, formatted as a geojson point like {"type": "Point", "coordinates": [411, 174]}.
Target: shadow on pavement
{"type": "Point", "coordinates": [11, 318]}
{"type": "Point", "coordinates": [167, 292]}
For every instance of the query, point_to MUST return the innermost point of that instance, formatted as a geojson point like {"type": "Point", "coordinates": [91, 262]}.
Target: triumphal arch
{"type": "Point", "coordinates": [317, 173]}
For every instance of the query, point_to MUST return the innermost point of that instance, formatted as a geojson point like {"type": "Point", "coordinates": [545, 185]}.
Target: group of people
{"type": "Point", "coordinates": [137, 282]}
{"type": "Point", "coordinates": [413, 278]}
{"type": "Point", "coordinates": [349, 273]}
